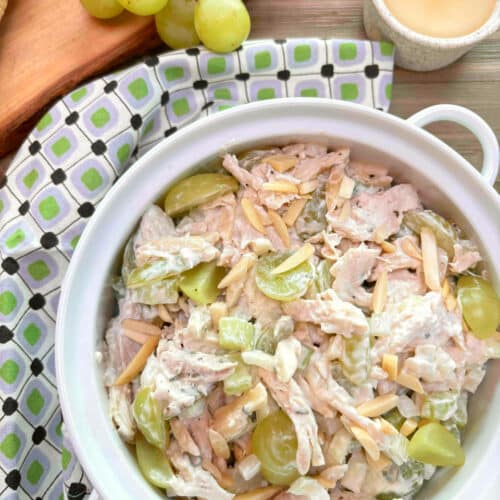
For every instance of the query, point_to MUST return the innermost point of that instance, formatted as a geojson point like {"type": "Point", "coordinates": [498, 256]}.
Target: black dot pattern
{"type": "Point", "coordinates": [5, 334]}
{"type": "Point", "coordinates": [58, 176]}
{"type": "Point", "coordinates": [36, 367]}
{"type": "Point", "coordinates": [86, 209]}
{"type": "Point", "coordinates": [193, 51]}
{"type": "Point", "coordinates": [170, 131]}
{"type": "Point", "coordinates": [76, 491]}
{"type": "Point", "coordinates": [136, 122]}
{"type": "Point", "coordinates": [200, 84]}
{"type": "Point", "coordinates": [327, 70]}
{"type": "Point", "coordinates": [9, 406]}
{"type": "Point", "coordinates": [10, 266]}
{"type": "Point", "coordinates": [99, 148]}
{"type": "Point", "coordinates": [165, 97]}
{"type": "Point", "coordinates": [242, 77]}
{"type": "Point", "coordinates": [39, 435]}
{"type": "Point", "coordinates": [72, 118]}
{"type": "Point", "coordinates": [110, 86]}
{"type": "Point", "coordinates": [49, 240]}
{"type": "Point", "coordinates": [371, 71]}
{"type": "Point", "coordinates": [37, 301]}
{"type": "Point", "coordinates": [34, 147]}
{"type": "Point", "coordinates": [24, 208]}
{"type": "Point", "coordinates": [13, 479]}
{"type": "Point", "coordinates": [151, 61]}
{"type": "Point", "coordinates": [283, 75]}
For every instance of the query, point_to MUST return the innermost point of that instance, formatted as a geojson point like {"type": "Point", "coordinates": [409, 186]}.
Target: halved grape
{"type": "Point", "coordinates": [275, 443]}
{"type": "Point", "coordinates": [144, 7]}
{"type": "Point", "coordinates": [175, 24]}
{"type": "Point", "coordinates": [480, 305]}
{"type": "Point", "coordinates": [200, 283]}
{"type": "Point", "coordinates": [197, 189]}
{"type": "Point", "coordinates": [286, 286]}
{"type": "Point", "coordinates": [236, 334]}
{"type": "Point", "coordinates": [102, 9]}
{"type": "Point", "coordinates": [153, 463]}
{"type": "Point", "coordinates": [434, 444]}
{"type": "Point", "coordinates": [222, 25]}
{"type": "Point", "coordinates": [149, 419]}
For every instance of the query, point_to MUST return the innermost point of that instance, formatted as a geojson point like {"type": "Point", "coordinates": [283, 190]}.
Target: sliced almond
{"type": "Point", "coordinates": [410, 249]}
{"type": "Point", "coordinates": [281, 187]}
{"type": "Point", "coordinates": [450, 302]}
{"type": "Point", "coordinates": [294, 210]}
{"type": "Point", "coordinates": [252, 215]}
{"type": "Point", "coordinates": [390, 365]}
{"type": "Point", "coordinates": [280, 226]}
{"type": "Point", "coordinates": [260, 493]}
{"type": "Point", "coordinates": [345, 211]}
{"type": "Point", "coordinates": [430, 259]}
{"type": "Point", "coordinates": [378, 406]}
{"type": "Point", "coordinates": [141, 327]}
{"type": "Point", "coordinates": [410, 381]}
{"type": "Point", "coordinates": [346, 187]}
{"type": "Point", "coordinates": [239, 271]}
{"type": "Point", "coordinates": [138, 361]}
{"type": "Point", "coordinates": [140, 338]}
{"type": "Point", "coordinates": [331, 193]}
{"type": "Point", "coordinates": [379, 297]}
{"type": "Point", "coordinates": [386, 427]}
{"type": "Point", "coordinates": [325, 482]}
{"type": "Point", "coordinates": [164, 314]}
{"type": "Point", "coordinates": [281, 163]}
{"type": "Point", "coordinates": [217, 311]}
{"type": "Point", "coordinates": [380, 234]}
{"type": "Point", "coordinates": [301, 255]}
{"type": "Point", "coordinates": [408, 427]}
{"type": "Point", "coordinates": [249, 467]}
{"type": "Point", "coordinates": [308, 187]}
{"type": "Point", "coordinates": [379, 465]}
{"type": "Point", "coordinates": [388, 247]}
{"type": "Point", "coordinates": [219, 444]}
{"type": "Point", "coordinates": [366, 441]}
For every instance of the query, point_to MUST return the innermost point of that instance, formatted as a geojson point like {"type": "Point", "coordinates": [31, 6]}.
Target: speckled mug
{"type": "Point", "coordinates": [421, 52]}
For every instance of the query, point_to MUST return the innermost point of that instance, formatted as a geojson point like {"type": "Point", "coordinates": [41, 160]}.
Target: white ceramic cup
{"type": "Point", "coordinates": [445, 181]}
{"type": "Point", "coordinates": [421, 52]}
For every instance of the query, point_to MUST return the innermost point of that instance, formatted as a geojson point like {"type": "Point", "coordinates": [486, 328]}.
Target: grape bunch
{"type": "Point", "coordinates": [221, 25]}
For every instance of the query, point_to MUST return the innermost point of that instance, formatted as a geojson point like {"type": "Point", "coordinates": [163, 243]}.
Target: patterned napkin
{"type": "Point", "coordinates": [66, 166]}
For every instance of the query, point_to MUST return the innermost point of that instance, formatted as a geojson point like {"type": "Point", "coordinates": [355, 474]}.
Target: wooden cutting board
{"type": "Point", "coordinates": [49, 46]}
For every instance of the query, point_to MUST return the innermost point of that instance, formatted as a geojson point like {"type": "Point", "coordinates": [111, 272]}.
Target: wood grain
{"type": "Point", "coordinates": [474, 81]}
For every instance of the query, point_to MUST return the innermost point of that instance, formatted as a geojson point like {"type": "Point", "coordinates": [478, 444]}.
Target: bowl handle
{"type": "Point", "coordinates": [471, 121]}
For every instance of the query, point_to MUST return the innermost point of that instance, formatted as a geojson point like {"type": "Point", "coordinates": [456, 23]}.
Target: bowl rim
{"type": "Point", "coordinates": [308, 104]}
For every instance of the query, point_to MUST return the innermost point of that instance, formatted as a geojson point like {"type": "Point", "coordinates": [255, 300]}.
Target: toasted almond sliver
{"type": "Point", "coordinates": [390, 365]}
{"type": "Point", "coordinates": [281, 187]}
{"type": "Point", "coordinates": [308, 186]}
{"type": "Point", "coordinates": [379, 465]}
{"type": "Point", "coordinates": [294, 211]}
{"type": "Point", "coordinates": [386, 427]}
{"type": "Point", "coordinates": [238, 271]}
{"type": "Point", "coordinates": [366, 441]}
{"type": "Point", "coordinates": [326, 483]}
{"type": "Point", "coordinates": [410, 381]}
{"type": "Point", "coordinates": [345, 211]}
{"type": "Point", "coordinates": [164, 314]}
{"type": "Point", "coordinates": [378, 406]}
{"type": "Point", "coordinates": [346, 187]}
{"type": "Point", "coordinates": [140, 338]}
{"type": "Point", "coordinates": [249, 467]}
{"type": "Point", "coordinates": [281, 163]}
{"type": "Point", "coordinates": [301, 255]}
{"type": "Point", "coordinates": [445, 289]}
{"type": "Point", "coordinates": [430, 259]}
{"type": "Point", "coordinates": [379, 297]}
{"type": "Point", "coordinates": [141, 327]}
{"type": "Point", "coordinates": [280, 227]}
{"type": "Point", "coordinates": [219, 444]}
{"type": "Point", "coordinates": [260, 493]}
{"type": "Point", "coordinates": [331, 193]}
{"type": "Point", "coordinates": [388, 247]}
{"type": "Point", "coordinates": [380, 234]}
{"type": "Point", "coordinates": [138, 361]}
{"type": "Point", "coordinates": [410, 249]}
{"type": "Point", "coordinates": [408, 427]}
{"type": "Point", "coordinates": [450, 302]}
{"type": "Point", "coordinates": [252, 215]}
{"type": "Point", "coordinates": [217, 311]}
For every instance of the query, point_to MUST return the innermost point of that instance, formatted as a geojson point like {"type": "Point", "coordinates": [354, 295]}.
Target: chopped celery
{"type": "Point", "coordinates": [149, 418]}
{"type": "Point", "coordinates": [453, 428]}
{"type": "Point", "coordinates": [236, 334]}
{"type": "Point", "coordinates": [396, 448]}
{"type": "Point", "coordinates": [355, 358]}
{"type": "Point", "coordinates": [200, 283]}
{"type": "Point", "coordinates": [312, 220]}
{"type": "Point", "coordinates": [153, 462]}
{"type": "Point", "coordinates": [149, 273]}
{"type": "Point", "coordinates": [305, 357]}
{"type": "Point", "coordinates": [459, 418]}
{"type": "Point", "coordinates": [440, 405]}
{"type": "Point", "coordinates": [160, 292]}
{"type": "Point", "coordinates": [394, 417]}
{"type": "Point", "coordinates": [265, 341]}
{"type": "Point", "coordinates": [128, 263]}
{"type": "Point", "coordinates": [434, 444]}
{"type": "Point", "coordinates": [239, 381]}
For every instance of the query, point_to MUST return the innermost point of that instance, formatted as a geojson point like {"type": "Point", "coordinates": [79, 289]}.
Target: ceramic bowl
{"type": "Point", "coordinates": [446, 182]}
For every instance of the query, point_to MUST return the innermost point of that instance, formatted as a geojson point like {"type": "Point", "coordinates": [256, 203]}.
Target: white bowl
{"type": "Point", "coordinates": [446, 182]}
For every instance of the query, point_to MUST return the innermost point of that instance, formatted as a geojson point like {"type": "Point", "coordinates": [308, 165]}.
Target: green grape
{"type": "Point", "coordinates": [153, 463]}
{"type": "Point", "coordinates": [102, 9]}
{"type": "Point", "coordinates": [446, 236]}
{"type": "Point", "coordinates": [285, 286]}
{"type": "Point", "coordinates": [480, 305]}
{"type": "Point", "coordinates": [198, 189]}
{"type": "Point", "coordinates": [149, 419]}
{"type": "Point", "coordinates": [236, 334]}
{"type": "Point", "coordinates": [222, 25]}
{"type": "Point", "coordinates": [200, 283]}
{"type": "Point", "coordinates": [266, 341]}
{"type": "Point", "coordinates": [434, 444]}
{"type": "Point", "coordinates": [175, 24]}
{"type": "Point", "coordinates": [240, 380]}
{"type": "Point", "coordinates": [275, 443]}
{"type": "Point", "coordinates": [144, 7]}
{"type": "Point", "coordinates": [312, 220]}
{"type": "Point", "coordinates": [355, 358]}
{"type": "Point", "coordinates": [395, 418]}
{"type": "Point", "coordinates": [160, 292]}
{"type": "Point", "coordinates": [439, 405]}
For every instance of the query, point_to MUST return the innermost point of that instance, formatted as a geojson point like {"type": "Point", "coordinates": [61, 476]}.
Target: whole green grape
{"type": "Point", "coordinates": [480, 305]}
{"type": "Point", "coordinates": [275, 443]}
{"type": "Point", "coordinates": [175, 24]}
{"type": "Point", "coordinates": [222, 25]}
{"type": "Point", "coordinates": [103, 9]}
{"type": "Point", "coordinates": [153, 463]}
{"type": "Point", "coordinates": [144, 7]}
{"type": "Point", "coordinates": [149, 419]}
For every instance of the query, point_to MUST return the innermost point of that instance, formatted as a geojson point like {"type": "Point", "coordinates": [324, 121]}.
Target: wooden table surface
{"type": "Point", "coordinates": [473, 81]}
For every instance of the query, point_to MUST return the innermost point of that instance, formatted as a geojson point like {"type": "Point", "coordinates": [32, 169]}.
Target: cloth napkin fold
{"type": "Point", "coordinates": [67, 165]}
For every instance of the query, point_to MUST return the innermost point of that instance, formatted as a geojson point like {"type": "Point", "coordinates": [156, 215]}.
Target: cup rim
{"type": "Point", "coordinates": [489, 27]}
